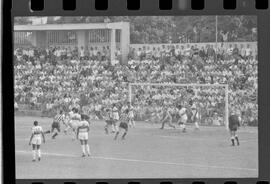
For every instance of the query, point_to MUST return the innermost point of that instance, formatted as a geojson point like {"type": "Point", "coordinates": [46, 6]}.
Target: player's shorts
{"type": "Point", "coordinates": [36, 140]}
{"type": "Point", "coordinates": [195, 118]}
{"type": "Point", "coordinates": [109, 122]}
{"type": "Point", "coordinates": [124, 126]}
{"type": "Point", "coordinates": [183, 119]}
{"type": "Point", "coordinates": [56, 126]}
{"type": "Point", "coordinates": [83, 136]}
{"type": "Point", "coordinates": [233, 128]}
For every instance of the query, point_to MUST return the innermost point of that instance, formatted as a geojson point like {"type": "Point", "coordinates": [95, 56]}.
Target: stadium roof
{"type": "Point", "coordinates": [69, 27]}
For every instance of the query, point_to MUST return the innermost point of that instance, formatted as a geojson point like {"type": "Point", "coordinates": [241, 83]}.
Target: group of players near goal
{"type": "Point", "coordinates": [119, 121]}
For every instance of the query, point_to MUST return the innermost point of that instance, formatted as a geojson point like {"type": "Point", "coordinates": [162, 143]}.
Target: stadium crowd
{"type": "Point", "coordinates": [85, 77]}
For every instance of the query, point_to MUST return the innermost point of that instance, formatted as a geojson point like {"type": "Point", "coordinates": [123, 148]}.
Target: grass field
{"type": "Point", "coordinates": [147, 152]}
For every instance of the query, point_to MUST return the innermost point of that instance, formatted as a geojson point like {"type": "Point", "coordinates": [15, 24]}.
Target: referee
{"type": "Point", "coordinates": [234, 123]}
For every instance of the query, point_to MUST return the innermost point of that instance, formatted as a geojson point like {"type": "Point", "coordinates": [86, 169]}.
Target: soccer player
{"type": "Point", "coordinates": [109, 121]}
{"type": "Point", "coordinates": [82, 135]}
{"type": "Point", "coordinates": [234, 123]}
{"type": "Point", "coordinates": [75, 119]}
{"type": "Point", "coordinates": [35, 140]}
{"type": "Point", "coordinates": [55, 129]}
{"type": "Point", "coordinates": [195, 115]}
{"type": "Point", "coordinates": [167, 118]}
{"type": "Point", "coordinates": [115, 115]}
{"type": "Point", "coordinates": [123, 125]}
{"type": "Point", "coordinates": [131, 116]}
{"type": "Point", "coordinates": [68, 124]}
{"type": "Point", "coordinates": [182, 117]}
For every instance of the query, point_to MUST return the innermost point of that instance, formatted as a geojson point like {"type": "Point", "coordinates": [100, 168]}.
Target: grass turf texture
{"type": "Point", "coordinates": [147, 152]}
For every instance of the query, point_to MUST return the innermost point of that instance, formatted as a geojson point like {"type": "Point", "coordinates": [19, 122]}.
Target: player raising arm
{"type": "Point", "coordinates": [82, 134]}
{"type": "Point", "coordinates": [35, 140]}
{"type": "Point", "coordinates": [55, 129]}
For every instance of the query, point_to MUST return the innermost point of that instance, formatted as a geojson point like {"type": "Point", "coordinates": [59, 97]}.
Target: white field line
{"type": "Point", "coordinates": [143, 161]}
{"type": "Point", "coordinates": [167, 137]}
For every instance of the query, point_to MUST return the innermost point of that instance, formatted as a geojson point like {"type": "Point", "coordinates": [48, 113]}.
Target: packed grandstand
{"type": "Point", "coordinates": [46, 79]}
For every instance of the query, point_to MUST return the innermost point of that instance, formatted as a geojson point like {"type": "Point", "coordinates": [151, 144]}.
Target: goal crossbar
{"type": "Point", "coordinates": [189, 85]}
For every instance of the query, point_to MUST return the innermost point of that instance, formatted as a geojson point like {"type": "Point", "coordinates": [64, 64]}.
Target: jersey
{"type": "Point", "coordinates": [83, 129]}
{"type": "Point", "coordinates": [75, 118]}
{"type": "Point", "coordinates": [194, 111]}
{"type": "Point", "coordinates": [59, 118]}
{"type": "Point", "coordinates": [234, 122]}
{"type": "Point", "coordinates": [182, 112]}
{"type": "Point", "coordinates": [130, 112]}
{"type": "Point", "coordinates": [115, 113]}
{"type": "Point", "coordinates": [183, 115]}
{"type": "Point", "coordinates": [83, 126]}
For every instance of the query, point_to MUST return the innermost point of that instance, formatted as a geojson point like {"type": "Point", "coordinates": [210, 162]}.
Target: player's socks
{"type": "Point", "coordinates": [133, 123]}
{"type": "Point", "coordinates": [73, 135]}
{"type": "Point", "coordinates": [34, 155]}
{"type": "Point", "coordinates": [54, 135]}
{"type": "Point", "coordinates": [123, 136]}
{"type": "Point", "coordinates": [237, 140]}
{"type": "Point", "coordinates": [197, 125]}
{"type": "Point", "coordinates": [232, 139]}
{"type": "Point", "coordinates": [106, 130]}
{"type": "Point", "coordinates": [116, 135]}
{"type": "Point", "coordinates": [39, 154]}
{"type": "Point", "coordinates": [83, 149]}
{"type": "Point", "coordinates": [87, 149]}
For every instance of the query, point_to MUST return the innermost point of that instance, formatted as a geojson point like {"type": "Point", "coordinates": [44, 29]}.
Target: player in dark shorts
{"type": "Point", "coordinates": [234, 123]}
{"type": "Point", "coordinates": [56, 124]}
{"type": "Point", "coordinates": [123, 125]}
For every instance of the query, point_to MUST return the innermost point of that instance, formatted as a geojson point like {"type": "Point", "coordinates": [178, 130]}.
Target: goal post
{"type": "Point", "coordinates": [198, 89]}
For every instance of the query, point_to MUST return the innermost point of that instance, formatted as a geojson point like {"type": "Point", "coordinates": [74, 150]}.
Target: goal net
{"type": "Point", "coordinates": [211, 101]}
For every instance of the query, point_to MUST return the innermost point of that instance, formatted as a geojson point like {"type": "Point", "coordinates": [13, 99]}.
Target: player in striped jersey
{"type": "Point", "coordinates": [35, 140]}
{"type": "Point", "coordinates": [82, 134]}
{"type": "Point", "coordinates": [55, 128]}
{"type": "Point", "coordinates": [123, 125]}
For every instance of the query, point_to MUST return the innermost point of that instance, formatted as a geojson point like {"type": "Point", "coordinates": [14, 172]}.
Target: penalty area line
{"type": "Point", "coordinates": [143, 161]}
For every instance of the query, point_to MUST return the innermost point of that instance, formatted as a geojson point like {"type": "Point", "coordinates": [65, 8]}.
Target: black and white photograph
{"type": "Point", "coordinates": [116, 97]}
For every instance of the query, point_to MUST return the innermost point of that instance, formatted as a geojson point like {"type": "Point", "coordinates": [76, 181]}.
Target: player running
{"type": "Point", "coordinates": [82, 135]}
{"type": "Point", "coordinates": [55, 129]}
{"type": "Point", "coordinates": [167, 117]}
{"type": "Point", "coordinates": [234, 123]}
{"type": "Point", "coordinates": [35, 140]}
{"type": "Point", "coordinates": [123, 125]}
{"type": "Point", "coordinates": [182, 117]}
